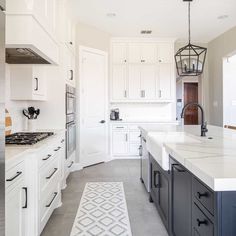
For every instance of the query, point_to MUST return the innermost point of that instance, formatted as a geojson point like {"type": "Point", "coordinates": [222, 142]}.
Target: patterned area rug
{"type": "Point", "coordinates": [102, 211]}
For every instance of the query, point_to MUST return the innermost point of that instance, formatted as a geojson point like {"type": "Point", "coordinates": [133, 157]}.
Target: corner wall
{"type": "Point", "coordinates": [222, 46]}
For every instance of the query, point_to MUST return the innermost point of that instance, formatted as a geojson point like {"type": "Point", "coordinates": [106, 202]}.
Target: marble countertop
{"type": "Point", "coordinates": [212, 160]}
{"type": "Point", "coordinates": [13, 152]}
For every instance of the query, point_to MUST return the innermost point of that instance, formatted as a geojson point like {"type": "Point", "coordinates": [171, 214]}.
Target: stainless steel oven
{"type": "Point", "coordinates": [70, 121]}
{"type": "Point", "coordinates": [70, 100]}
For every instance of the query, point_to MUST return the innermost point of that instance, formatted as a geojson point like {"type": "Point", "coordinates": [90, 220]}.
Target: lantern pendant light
{"type": "Point", "coordinates": [190, 59]}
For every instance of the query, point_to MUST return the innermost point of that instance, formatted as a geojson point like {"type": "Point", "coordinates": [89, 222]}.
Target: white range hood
{"type": "Point", "coordinates": [27, 41]}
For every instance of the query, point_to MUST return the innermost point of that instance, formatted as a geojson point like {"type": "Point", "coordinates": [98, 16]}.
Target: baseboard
{"type": "Point", "coordinates": [77, 167]}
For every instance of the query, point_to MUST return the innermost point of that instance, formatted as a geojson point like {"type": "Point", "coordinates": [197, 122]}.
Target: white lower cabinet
{"type": "Point", "coordinates": [16, 200]}
{"type": "Point", "coordinates": [33, 188]}
{"type": "Point", "coordinates": [125, 140]}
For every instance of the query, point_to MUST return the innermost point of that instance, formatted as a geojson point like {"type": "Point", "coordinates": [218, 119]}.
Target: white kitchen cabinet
{"type": "Point", "coordinates": [125, 140]}
{"type": "Point", "coordinates": [142, 71]}
{"type": "Point", "coordinates": [165, 52]}
{"type": "Point", "coordinates": [119, 53]}
{"type": "Point", "coordinates": [70, 34]}
{"type": "Point", "coordinates": [15, 201]}
{"type": "Point", "coordinates": [142, 82]}
{"type": "Point", "coordinates": [120, 142]}
{"type": "Point", "coordinates": [119, 90]}
{"type": "Point", "coordinates": [165, 81]}
{"type": "Point", "coordinates": [148, 77]}
{"type": "Point", "coordinates": [134, 82]}
{"type": "Point", "coordinates": [28, 82]}
{"type": "Point", "coordinates": [142, 53]}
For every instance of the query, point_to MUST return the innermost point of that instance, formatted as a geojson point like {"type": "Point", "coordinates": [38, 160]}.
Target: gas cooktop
{"type": "Point", "coordinates": [27, 138]}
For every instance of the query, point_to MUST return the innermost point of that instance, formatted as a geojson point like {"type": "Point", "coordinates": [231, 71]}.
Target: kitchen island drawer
{"type": "Point", "coordinates": [201, 225]}
{"type": "Point", "coordinates": [204, 195]}
{"type": "Point", "coordinates": [14, 174]}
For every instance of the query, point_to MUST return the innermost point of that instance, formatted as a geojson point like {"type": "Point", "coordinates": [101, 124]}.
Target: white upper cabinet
{"type": "Point", "coordinates": [165, 81]}
{"type": "Point", "coordinates": [165, 53]}
{"type": "Point", "coordinates": [119, 53]}
{"type": "Point", "coordinates": [28, 82]}
{"type": "Point", "coordinates": [134, 82]}
{"type": "Point", "coordinates": [134, 53]}
{"type": "Point", "coordinates": [142, 71]}
{"type": "Point", "coordinates": [148, 81]}
{"type": "Point", "coordinates": [149, 53]}
{"type": "Point", "coordinates": [119, 90]}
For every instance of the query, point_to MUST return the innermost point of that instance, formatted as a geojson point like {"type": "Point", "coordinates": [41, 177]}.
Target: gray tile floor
{"type": "Point", "coordinates": [143, 215]}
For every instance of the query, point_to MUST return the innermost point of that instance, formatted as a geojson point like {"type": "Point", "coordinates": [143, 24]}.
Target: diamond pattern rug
{"type": "Point", "coordinates": [102, 211]}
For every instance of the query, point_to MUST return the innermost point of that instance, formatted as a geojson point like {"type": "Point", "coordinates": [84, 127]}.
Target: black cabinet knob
{"type": "Point", "coordinates": [102, 121]}
{"type": "Point", "coordinates": [200, 195]}
{"type": "Point", "coordinates": [201, 222]}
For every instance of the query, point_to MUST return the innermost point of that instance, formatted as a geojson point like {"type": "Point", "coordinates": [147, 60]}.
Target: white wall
{"type": "Point", "coordinates": [221, 47]}
{"type": "Point", "coordinates": [229, 95]}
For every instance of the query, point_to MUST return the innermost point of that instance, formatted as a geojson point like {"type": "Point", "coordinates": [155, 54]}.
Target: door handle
{"type": "Point", "coordinates": [157, 184]}
{"type": "Point", "coordinates": [102, 121]}
{"type": "Point", "coordinates": [54, 196]}
{"type": "Point", "coordinates": [18, 173]}
{"type": "Point", "coordinates": [50, 176]}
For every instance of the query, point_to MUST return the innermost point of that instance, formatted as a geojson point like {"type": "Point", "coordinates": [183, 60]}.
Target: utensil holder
{"type": "Point", "coordinates": [32, 125]}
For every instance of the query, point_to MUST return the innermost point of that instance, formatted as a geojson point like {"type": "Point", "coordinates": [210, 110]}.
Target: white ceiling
{"type": "Point", "coordinates": [166, 18]}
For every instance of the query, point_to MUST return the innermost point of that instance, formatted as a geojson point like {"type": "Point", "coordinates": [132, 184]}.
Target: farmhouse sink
{"type": "Point", "coordinates": [156, 141]}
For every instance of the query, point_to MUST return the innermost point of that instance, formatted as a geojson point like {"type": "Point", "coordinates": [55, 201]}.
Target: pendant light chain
{"type": "Point", "coordinates": [189, 30]}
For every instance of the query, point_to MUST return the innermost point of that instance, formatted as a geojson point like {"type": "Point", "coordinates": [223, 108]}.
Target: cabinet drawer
{"type": "Point", "coordinates": [202, 226]}
{"type": "Point", "coordinates": [49, 177]}
{"type": "Point", "coordinates": [47, 206]}
{"type": "Point", "coordinates": [203, 195]}
{"type": "Point", "coordinates": [14, 174]}
{"type": "Point", "coordinates": [49, 154]}
{"type": "Point", "coordinates": [134, 127]}
{"type": "Point", "coordinates": [120, 127]}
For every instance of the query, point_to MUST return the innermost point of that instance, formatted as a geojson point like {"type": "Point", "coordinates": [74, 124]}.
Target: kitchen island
{"type": "Point", "coordinates": [193, 178]}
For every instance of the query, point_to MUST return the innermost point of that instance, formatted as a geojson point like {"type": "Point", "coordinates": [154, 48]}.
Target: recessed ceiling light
{"type": "Point", "coordinates": [222, 17]}
{"type": "Point", "coordinates": [111, 14]}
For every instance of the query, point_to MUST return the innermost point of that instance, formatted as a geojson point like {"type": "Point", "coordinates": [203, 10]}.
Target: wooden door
{"type": "Point", "coordinates": [191, 95]}
{"type": "Point", "coordinates": [93, 106]}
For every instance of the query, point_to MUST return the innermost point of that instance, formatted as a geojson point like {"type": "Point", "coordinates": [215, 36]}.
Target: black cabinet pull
{"type": "Point", "coordinates": [63, 140]}
{"type": "Point", "coordinates": [55, 194]}
{"type": "Point", "coordinates": [157, 185]}
{"type": "Point", "coordinates": [200, 195]}
{"type": "Point", "coordinates": [26, 198]}
{"type": "Point", "coordinates": [18, 173]}
{"type": "Point", "coordinates": [46, 158]}
{"type": "Point", "coordinates": [71, 43]}
{"type": "Point", "coordinates": [144, 140]}
{"type": "Point", "coordinates": [50, 176]}
{"type": "Point", "coordinates": [37, 84]}
{"type": "Point", "coordinates": [201, 222]}
{"type": "Point", "coordinates": [178, 169]}
{"type": "Point", "coordinates": [102, 121]}
{"type": "Point", "coordinates": [71, 164]}
{"type": "Point", "coordinates": [71, 74]}
{"type": "Point", "coordinates": [57, 149]}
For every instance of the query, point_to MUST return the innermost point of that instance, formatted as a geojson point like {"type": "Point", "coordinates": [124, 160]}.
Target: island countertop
{"type": "Point", "coordinates": [212, 160]}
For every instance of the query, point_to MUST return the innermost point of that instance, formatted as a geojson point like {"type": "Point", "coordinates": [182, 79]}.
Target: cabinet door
{"type": "Point", "coordinates": [165, 79]}
{"type": "Point", "coordinates": [39, 87]}
{"type": "Point", "coordinates": [148, 81]}
{"type": "Point", "coordinates": [182, 201]}
{"type": "Point", "coordinates": [134, 53]}
{"type": "Point", "coordinates": [119, 91]}
{"type": "Point", "coordinates": [149, 53]}
{"type": "Point", "coordinates": [134, 149]}
{"type": "Point", "coordinates": [119, 51]}
{"type": "Point", "coordinates": [134, 83]}
{"type": "Point", "coordinates": [165, 53]}
{"type": "Point", "coordinates": [119, 143]}
{"type": "Point", "coordinates": [14, 212]}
